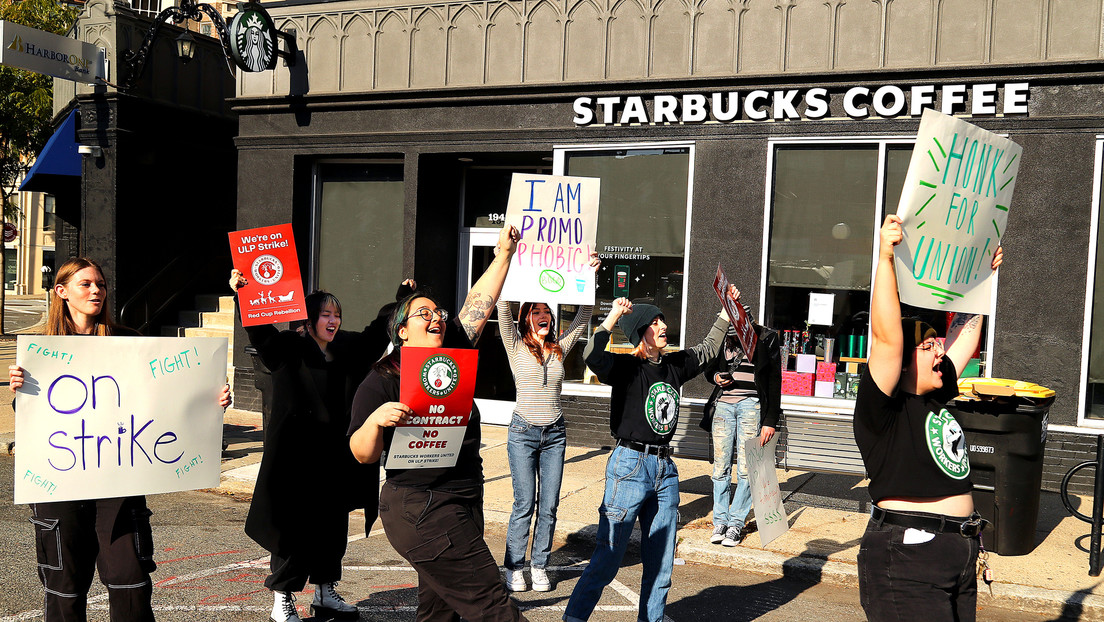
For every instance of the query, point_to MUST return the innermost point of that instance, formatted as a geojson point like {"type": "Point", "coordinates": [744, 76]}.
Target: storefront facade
{"type": "Point", "coordinates": [768, 138]}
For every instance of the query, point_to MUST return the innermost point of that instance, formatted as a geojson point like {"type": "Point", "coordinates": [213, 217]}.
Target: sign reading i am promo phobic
{"type": "Point", "coordinates": [557, 218]}
{"type": "Point", "coordinates": [53, 55]}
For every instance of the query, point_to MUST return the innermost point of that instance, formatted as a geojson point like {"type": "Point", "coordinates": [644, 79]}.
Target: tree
{"type": "Point", "coordinates": [26, 108]}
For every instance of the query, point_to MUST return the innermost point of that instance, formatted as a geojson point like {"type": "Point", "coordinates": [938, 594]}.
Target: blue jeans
{"type": "Point", "coordinates": [640, 486]}
{"type": "Point", "coordinates": [536, 455]}
{"type": "Point", "coordinates": [732, 424]}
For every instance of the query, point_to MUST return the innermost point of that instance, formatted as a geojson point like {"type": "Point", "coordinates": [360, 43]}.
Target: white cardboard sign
{"type": "Point", "coordinates": [770, 514]}
{"type": "Point", "coordinates": [105, 417]}
{"type": "Point", "coordinates": [954, 211]}
{"type": "Point", "coordinates": [557, 218]}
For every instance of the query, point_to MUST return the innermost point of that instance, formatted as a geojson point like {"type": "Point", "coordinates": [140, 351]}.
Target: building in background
{"type": "Point", "coordinates": [33, 248]}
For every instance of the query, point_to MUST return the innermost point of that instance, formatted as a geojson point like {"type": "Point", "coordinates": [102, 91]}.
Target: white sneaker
{"type": "Point", "coordinates": [540, 580]}
{"type": "Point", "coordinates": [328, 603]}
{"type": "Point", "coordinates": [283, 609]}
{"type": "Point", "coordinates": [515, 580]}
{"type": "Point", "coordinates": [718, 534]}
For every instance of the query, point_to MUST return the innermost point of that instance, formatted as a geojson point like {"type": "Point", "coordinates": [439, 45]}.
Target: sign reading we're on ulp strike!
{"type": "Point", "coordinates": [438, 384]}
{"type": "Point", "coordinates": [274, 293]}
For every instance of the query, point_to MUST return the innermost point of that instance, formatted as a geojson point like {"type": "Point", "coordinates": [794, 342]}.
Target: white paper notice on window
{"type": "Point", "coordinates": [820, 309]}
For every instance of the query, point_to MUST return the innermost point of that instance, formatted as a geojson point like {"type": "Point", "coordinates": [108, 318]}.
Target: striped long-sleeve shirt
{"type": "Point", "coordinates": [538, 384]}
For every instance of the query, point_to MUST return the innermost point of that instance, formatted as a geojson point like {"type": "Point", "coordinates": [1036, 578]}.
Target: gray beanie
{"type": "Point", "coordinates": [634, 324]}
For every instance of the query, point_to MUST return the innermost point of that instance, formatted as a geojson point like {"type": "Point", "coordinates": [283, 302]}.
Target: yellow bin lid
{"type": "Point", "coordinates": [1003, 387]}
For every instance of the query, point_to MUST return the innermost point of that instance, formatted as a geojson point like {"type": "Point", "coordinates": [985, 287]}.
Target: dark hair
{"type": "Point", "coordinates": [315, 302]}
{"type": "Point", "coordinates": [401, 313]}
{"type": "Point", "coordinates": [527, 335]}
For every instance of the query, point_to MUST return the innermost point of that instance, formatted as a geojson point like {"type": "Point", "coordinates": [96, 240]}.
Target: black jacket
{"type": "Point", "coordinates": [768, 379]}
{"type": "Point", "coordinates": [306, 453]}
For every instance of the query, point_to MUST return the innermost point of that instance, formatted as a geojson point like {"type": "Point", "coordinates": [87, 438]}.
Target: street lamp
{"type": "Point", "coordinates": [250, 41]}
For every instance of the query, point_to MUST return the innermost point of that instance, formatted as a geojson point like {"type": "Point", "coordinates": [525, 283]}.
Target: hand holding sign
{"type": "Point", "coordinates": [953, 213]}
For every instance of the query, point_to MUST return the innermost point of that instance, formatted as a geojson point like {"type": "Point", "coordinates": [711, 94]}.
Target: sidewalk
{"type": "Point", "coordinates": [821, 545]}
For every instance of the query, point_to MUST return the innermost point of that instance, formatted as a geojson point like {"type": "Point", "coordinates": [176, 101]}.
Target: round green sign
{"type": "Point", "coordinates": [253, 39]}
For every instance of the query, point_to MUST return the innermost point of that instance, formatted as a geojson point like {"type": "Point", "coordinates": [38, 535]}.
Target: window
{"type": "Point", "coordinates": [1092, 372]}
{"type": "Point", "coordinates": [357, 221]}
{"type": "Point", "coordinates": [48, 213]}
{"type": "Point", "coordinates": [47, 268]}
{"type": "Point", "coordinates": [205, 29]}
{"type": "Point", "coordinates": [827, 201]}
{"type": "Point", "coordinates": [641, 235]}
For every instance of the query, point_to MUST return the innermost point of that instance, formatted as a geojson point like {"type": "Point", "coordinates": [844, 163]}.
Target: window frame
{"type": "Point", "coordinates": [559, 151]}
{"type": "Point", "coordinates": [883, 143]}
{"type": "Point", "coordinates": [1083, 420]}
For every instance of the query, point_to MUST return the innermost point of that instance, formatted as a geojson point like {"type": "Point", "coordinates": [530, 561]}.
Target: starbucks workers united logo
{"type": "Point", "coordinates": [662, 406]}
{"type": "Point", "coordinates": [947, 444]}
{"type": "Point", "coordinates": [439, 375]}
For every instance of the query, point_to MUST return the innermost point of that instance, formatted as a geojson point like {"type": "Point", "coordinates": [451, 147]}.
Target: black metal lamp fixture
{"type": "Point", "coordinates": [250, 41]}
{"type": "Point", "coordinates": [185, 46]}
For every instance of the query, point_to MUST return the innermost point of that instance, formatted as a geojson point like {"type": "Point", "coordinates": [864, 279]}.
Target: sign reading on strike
{"type": "Point", "coordinates": [557, 218]}
{"type": "Point", "coordinates": [954, 210]}
{"type": "Point", "coordinates": [266, 256]}
{"type": "Point", "coordinates": [745, 332]}
{"type": "Point", "coordinates": [117, 416]}
{"type": "Point", "coordinates": [438, 384]}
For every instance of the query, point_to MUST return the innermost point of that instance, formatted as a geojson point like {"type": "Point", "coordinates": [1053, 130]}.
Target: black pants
{"type": "Point", "coordinates": [75, 538]}
{"type": "Point", "coordinates": [441, 535]}
{"type": "Point", "coordinates": [933, 581]}
{"type": "Point", "coordinates": [318, 558]}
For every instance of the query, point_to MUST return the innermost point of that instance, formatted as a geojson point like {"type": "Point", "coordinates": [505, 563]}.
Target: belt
{"type": "Point", "coordinates": [663, 451]}
{"type": "Point", "coordinates": [969, 527]}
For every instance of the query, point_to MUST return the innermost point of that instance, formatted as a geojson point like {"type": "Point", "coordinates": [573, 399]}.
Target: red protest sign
{"type": "Point", "coordinates": [266, 256]}
{"type": "Point", "coordinates": [438, 384]}
{"type": "Point", "coordinates": [745, 332]}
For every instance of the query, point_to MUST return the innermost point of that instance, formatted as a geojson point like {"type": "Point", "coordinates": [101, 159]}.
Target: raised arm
{"type": "Point", "coordinates": [964, 333]}
{"type": "Point", "coordinates": [507, 329]}
{"type": "Point", "coordinates": [887, 340]}
{"type": "Point", "coordinates": [594, 354]}
{"type": "Point", "coordinates": [483, 295]}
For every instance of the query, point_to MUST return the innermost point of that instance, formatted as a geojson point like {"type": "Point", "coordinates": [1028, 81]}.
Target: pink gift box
{"type": "Point", "coordinates": [795, 383]}
{"type": "Point", "coordinates": [826, 372]}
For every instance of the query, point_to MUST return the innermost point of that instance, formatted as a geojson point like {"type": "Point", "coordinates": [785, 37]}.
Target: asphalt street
{"type": "Point", "coordinates": [209, 570]}
{"type": "Point", "coordinates": [21, 313]}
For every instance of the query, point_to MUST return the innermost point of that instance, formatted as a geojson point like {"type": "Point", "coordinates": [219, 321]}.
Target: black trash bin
{"type": "Point", "coordinates": [1005, 424]}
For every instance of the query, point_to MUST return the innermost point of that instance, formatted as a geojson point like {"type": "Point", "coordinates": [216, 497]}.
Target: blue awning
{"type": "Point", "coordinates": [58, 161]}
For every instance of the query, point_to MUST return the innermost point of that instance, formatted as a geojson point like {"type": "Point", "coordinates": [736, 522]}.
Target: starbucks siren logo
{"type": "Point", "coordinates": [267, 269]}
{"type": "Point", "coordinates": [662, 406]}
{"type": "Point", "coordinates": [947, 444]}
{"type": "Point", "coordinates": [439, 375]}
{"type": "Point", "coordinates": [253, 35]}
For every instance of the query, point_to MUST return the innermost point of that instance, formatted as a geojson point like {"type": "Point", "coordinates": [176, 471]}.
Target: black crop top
{"type": "Point", "coordinates": [911, 445]}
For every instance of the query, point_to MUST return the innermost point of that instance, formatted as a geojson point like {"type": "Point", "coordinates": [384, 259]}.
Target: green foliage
{"type": "Point", "coordinates": [26, 98]}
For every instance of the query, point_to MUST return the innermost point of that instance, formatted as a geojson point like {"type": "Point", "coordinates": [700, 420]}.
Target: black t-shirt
{"type": "Point", "coordinates": [912, 445]}
{"type": "Point", "coordinates": [378, 389]}
{"type": "Point", "coordinates": [644, 401]}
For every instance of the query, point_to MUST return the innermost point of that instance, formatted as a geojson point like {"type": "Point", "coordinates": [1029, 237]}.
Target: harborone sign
{"type": "Point", "coordinates": [858, 102]}
{"type": "Point", "coordinates": [53, 55]}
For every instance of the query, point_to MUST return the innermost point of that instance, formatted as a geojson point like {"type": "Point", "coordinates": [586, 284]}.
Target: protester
{"type": "Point", "coordinates": [747, 395]}
{"type": "Point", "coordinates": [641, 479]}
{"type": "Point", "coordinates": [76, 538]}
{"type": "Point", "coordinates": [918, 557]}
{"type": "Point", "coordinates": [433, 517]}
{"type": "Point", "coordinates": [537, 438]}
{"type": "Point", "coordinates": [308, 480]}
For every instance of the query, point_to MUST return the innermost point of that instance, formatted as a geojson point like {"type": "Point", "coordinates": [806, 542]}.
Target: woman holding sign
{"type": "Point", "coordinates": [537, 437]}
{"type": "Point", "coordinates": [745, 403]}
{"type": "Point", "coordinates": [641, 479]}
{"type": "Point", "coordinates": [75, 538]}
{"type": "Point", "coordinates": [434, 516]}
{"type": "Point", "coordinates": [314, 377]}
{"type": "Point", "coordinates": [918, 557]}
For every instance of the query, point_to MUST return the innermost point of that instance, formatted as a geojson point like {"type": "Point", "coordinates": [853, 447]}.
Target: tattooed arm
{"type": "Point", "coordinates": [964, 332]}
{"type": "Point", "coordinates": [484, 294]}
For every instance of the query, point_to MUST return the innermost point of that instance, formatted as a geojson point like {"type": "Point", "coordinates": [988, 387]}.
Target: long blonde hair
{"type": "Point", "coordinates": [60, 320]}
